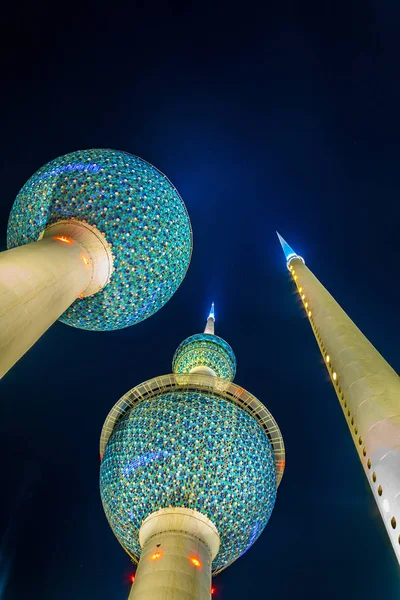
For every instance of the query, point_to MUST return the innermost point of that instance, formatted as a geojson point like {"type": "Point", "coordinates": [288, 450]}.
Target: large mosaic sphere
{"type": "Point", "coordinates": [141, 216]}
{"type": "Point", "coordinates": [193, 449]}
{"type": "Point", "coordinates": [205, 350]}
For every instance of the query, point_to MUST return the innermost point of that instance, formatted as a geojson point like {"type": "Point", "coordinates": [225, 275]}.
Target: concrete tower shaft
{"type": "Point", "coordinates": [368, 390]}
{"type": "Point", "coordinates": [39, 281]}
{"type": "Point", "coordinates": [178, 546]}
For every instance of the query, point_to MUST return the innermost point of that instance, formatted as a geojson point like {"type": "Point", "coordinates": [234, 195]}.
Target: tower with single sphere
{"type": "Point", "coordinates": [99, 239]}
{"type": "Point", "coordinates": [367, 387]}
{"type": "Point", "coordinates": [190, 465]}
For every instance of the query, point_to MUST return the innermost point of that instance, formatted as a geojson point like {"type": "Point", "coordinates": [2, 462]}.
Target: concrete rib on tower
{"type": "Point", "coordinates": [367, 387]}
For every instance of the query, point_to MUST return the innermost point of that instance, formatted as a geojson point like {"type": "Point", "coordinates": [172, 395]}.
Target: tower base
{"type": "Point", "coordinates": [178, 546]}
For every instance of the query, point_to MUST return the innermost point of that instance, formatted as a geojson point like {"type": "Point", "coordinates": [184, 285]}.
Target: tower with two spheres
{"type": "Point", "coordinates": [190, 466]}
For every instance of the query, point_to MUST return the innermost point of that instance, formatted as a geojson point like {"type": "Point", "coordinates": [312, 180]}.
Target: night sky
{"type": "Point", "coordinates": [284, 117]}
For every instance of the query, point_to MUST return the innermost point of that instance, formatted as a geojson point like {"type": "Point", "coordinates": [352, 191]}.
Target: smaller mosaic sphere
{"type": "Point", "coordinates": [191, 449]}
{"type": "Point", "coordinates": [138, 211]}
{"type": "Point", "coordinates": [205, 350]}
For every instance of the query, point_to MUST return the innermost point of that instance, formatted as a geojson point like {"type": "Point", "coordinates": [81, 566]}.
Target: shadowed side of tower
{"type": "Point", "coordinates": [367, 387]}
{"type": "Point", "coordinates": [190, 467]}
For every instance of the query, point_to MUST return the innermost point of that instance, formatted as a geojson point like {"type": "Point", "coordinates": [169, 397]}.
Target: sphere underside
{"type": "Point", "coordinates": [195, 450]}
{"type": "Point", "coordinates": [141, 216]}
{"type": "Point", "coordinates": [207, 350]}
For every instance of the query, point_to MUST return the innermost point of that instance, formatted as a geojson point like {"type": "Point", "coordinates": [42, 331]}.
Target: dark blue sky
{"type": "Point", "coordinates": [283, 117]}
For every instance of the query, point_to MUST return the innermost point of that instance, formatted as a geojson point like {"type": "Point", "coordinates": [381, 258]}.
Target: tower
{"type": "Point", "coordinates": [99, 239]}
{"type": "Point", "coordinates": [367, 387]}
{"type": "Point", "coordinates": [190, 465]}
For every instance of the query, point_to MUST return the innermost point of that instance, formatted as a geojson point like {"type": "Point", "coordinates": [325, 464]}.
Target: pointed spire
{"type": "Point", "coordinates": [287, 250]}
{"type": "Point", "coordinates": [210, 321]}
{"type": "Point", "coordinates": [212, 313]}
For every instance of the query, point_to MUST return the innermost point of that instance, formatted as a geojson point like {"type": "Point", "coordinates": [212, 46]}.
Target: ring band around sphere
{"type": "Point", "coordinates": [137, 211]}
{"type": "Point", "coordinates": [226, 389]}
{"type": "Point", "coordinates": [244, 448]}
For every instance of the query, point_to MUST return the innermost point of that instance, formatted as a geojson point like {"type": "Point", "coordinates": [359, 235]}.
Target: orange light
{"type": "Point", "coordinates": [85, 259]}
{"type": "Point", "coordinates": [156, 555]}
{"type": "Point", "coordinates": [64, 239]}
{"type": "Point", "coordinates": [195, 561]}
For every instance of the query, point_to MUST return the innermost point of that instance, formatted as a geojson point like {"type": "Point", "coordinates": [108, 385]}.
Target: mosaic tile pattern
{"type": "Point", "coordinates": [192, 449]}
{"type": "Point", "coordinates": [206, 350]}
{"type": "Point", "coordinates": [141, 215]}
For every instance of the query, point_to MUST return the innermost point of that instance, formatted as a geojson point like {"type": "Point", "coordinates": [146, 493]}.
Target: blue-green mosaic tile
{"type": "Point", "coordinates": [191, 449]}
{"type": "Point", "coordinates": [141, 215]}
{"type": "Point", "coordinates": [205, 349]}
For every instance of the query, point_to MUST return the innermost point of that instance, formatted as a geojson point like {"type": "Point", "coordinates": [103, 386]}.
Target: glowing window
{"type": "Point", "coordinates": [195, 561]}
{"type": "Point", "coordinates": [309, 313]}
{"type": "Point", "coordinates": [385, 505]}
{"type": "Point", "coordinates": [327, 358]}
{"type": "Point", "coordinates": [303, 296]}
{"type": "Point", "coordinates": [295, 277]}
{"type": "Point", "coordinates": [300, 290]}
{"type": "Point", "coordinates": [334, 375]}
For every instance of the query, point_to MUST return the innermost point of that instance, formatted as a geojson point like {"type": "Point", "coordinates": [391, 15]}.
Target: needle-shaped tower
{"type": "Point", "coordinates": [190, 467]}
{"type": "Point", "coordinates": [367, 387]}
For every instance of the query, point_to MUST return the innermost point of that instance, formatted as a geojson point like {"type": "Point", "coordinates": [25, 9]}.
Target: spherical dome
{"type": "Point", "coordinates": [138, 211]}
{"type": "Point", "coordinates": [205, 350]}
{"type": "Point", "coordinates": [193, 449]}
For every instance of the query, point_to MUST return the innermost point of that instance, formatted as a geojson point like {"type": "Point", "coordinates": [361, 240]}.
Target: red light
{"type": "Point", "coordinates": [133, 577]}
{"type": "Point", "coordinates": [212, 591]}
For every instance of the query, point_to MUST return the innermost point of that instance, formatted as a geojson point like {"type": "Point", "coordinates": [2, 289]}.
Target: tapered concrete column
{"type": "Point", "coordinates": [368, 390]}
{"type": "Point", "coordinates": [39, 281]}
{"type": "Point", "coordinates": [178, 546]}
